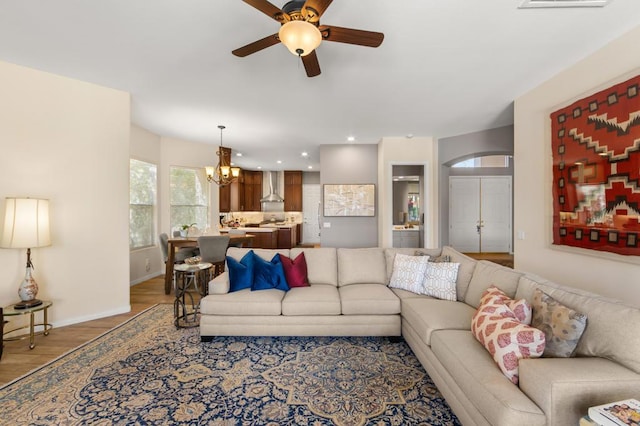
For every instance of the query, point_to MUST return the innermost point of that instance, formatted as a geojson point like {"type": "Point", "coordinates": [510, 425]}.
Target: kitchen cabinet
{"type": "Point", "coordinates": [267, 240]}
{"type": "Point", "coordinates": [298, 233]}
{"type": "Point", "coordinates": [406, 239]}
{"type": "Point", "coordinates": [232, 195]}
{"type": "Point", "coordinates": [293, 190]}
{"type": "Point", "coordinates": [287, 237]}
{"type": "Point", "coordinates": [252, 190]}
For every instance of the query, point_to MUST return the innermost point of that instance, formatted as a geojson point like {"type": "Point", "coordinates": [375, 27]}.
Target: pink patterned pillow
{"type": "Point", "coordinates": [508, 341]}
{"type": "Point", "coordinates": [520, 308]}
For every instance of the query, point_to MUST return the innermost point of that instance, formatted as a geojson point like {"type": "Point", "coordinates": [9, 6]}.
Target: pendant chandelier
{"type": "Point", "coordinates": [222, 174]}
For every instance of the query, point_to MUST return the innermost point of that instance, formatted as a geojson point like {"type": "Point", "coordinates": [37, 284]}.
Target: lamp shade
{"type": "Point", "coordinates": [26, 223]}
{"type": "Point", "coordinates": [300, 37]}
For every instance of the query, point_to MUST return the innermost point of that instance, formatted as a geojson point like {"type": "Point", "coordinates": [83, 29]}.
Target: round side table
{"type": "Point", "coordinates": [12, 311]}
{"type": "Point", "coordinates": [187, 280]}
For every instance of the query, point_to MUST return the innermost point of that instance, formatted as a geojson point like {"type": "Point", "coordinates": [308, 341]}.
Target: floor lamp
{"type": "Point", "coordinates": [26, 225]}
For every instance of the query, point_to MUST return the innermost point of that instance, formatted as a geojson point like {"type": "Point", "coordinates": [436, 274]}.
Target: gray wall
{"type": "Point", "coordinates": [310, 177]}
{"type": "Point", "coordinates": [349, 164]}
{"type": "Point", "coordinates": [457, 148]}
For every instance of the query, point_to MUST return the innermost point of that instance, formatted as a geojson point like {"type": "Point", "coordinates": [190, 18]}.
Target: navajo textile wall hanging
{"type": "Point", "coordinates": [596, 167]}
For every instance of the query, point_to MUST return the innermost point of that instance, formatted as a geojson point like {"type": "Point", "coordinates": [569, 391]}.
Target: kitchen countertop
{"type": "Point", "coordinates": [284, 225]}
{"type": "Point", "coordinates": [250, 230]}
{"type": "Point", "coordinates": [402, 228]}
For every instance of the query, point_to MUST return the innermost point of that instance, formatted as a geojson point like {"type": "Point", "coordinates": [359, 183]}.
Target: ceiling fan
{"type": "Point", "coordinates": [301, 31]}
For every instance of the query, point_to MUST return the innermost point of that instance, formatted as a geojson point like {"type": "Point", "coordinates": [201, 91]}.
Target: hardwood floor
{"type": "Point", "coordinates": [18, 359]}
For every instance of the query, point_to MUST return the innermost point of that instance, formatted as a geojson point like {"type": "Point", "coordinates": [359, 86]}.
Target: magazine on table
{"type": "Point", "coordinates": [619, 413]}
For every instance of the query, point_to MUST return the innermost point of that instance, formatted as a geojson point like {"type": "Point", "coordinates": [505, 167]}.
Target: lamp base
{"type": "Point", "coordinates": [27, 304]}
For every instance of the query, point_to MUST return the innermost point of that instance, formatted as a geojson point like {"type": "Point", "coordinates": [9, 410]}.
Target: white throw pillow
{"type": "Point", "coordinates": [440, 280]}
{"type": "Point", "coordinates": [408, 272]}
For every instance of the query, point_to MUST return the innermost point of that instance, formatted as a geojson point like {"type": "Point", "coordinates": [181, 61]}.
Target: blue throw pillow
{"type": "Point", "coordinates": [241, 273]}
{"type": "Point", "coordinates": [268, 275]}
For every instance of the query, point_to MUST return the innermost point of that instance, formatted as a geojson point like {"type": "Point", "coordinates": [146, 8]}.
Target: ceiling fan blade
{"type": "Point", "coordinates": [257, 46]}
{"type": "Point", "coordinates": [351, 36]}
{"type": "Point", "coordinates": [313, 9]}
{"type": "Point", "coordinates": [267, 8]}
{"type": "Point", "coordinates": [311, 64]}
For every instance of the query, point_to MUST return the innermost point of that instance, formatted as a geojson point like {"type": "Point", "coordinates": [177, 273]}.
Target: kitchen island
{"type": "Point", "coordinates": [276, 235]}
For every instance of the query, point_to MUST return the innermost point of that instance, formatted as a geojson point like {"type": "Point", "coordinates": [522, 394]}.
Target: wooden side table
{"type": "Point", "coordinates": [9, 311]}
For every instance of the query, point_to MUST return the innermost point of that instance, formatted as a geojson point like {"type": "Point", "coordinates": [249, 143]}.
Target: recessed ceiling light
{"type": "Point", "coordinates": [351, 139]}
{"type": "Point", "coordinates": [304, 154]}
{"type": "Point", "coordinates": [238, 154]}
{"type": "Point", "coordinates": [259, 167]}
{"type": "Point", "coordinates": [309, 167]}
{"type": "Point", "coordinates": [279, 161]}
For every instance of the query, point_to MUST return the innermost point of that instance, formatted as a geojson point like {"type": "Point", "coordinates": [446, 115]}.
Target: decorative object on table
{"type": "Point", "coordinates": [222, 174]}
{"type": "Point", "coordinates": [619, 413]}
{"type": "Point", "coordinates": [26, 225]}
{"type": "Point", "coordinates": [349, 200]}
{"type": "Point", "coordinates": [184, 230]}
{"type": "Point", "coordinates": [212, 383]}
{"type": "Point", "coordinates": [595, 151]}
{"type": "Point", "coordinates": [301, 32]}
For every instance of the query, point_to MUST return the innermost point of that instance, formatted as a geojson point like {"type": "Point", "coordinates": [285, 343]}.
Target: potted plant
{"type": "Point", "coordinates": [184, 229]}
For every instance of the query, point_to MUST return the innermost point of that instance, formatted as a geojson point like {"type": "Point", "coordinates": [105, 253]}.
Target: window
{"type": "Point", "coordinates": [486, 161]}
{"type": "Point", "coordinates": [189, 197]}
{"type": "Point", "coordinates": [142, 204]}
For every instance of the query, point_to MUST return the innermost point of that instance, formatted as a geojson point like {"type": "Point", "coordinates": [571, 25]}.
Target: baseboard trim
{"type": "Point", "coordinates": [76, 320]}
{"type": "Point", "coordinates": [145, 278]}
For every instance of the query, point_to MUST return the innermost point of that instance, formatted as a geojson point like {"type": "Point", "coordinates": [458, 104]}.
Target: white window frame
{"type": "Point", "coordinates": [205, 194]}
{"type": "Point", "coordinates": [153, 186]}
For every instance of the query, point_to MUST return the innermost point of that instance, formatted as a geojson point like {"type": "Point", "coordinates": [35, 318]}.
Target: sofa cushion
{"type": "Point", "coordinates": [566, 388]}
{"type": "Point", "coordinates": [404, 294]}
{"type": "Point", "coordinates": [612, 330]}
{"type": "Point", "coordinates": [440, 280]}
{"type": "Point", "coordinates": [322, 264]}
{"type": "Point", "coordinates": [465, 271]}
{"type": "Point", "coordinates": [562, 326]}
{"type": "Point", "coordinates": [268, 274]}
{"type": "Point", "coordinates": [426, 315]}
{"type": "Point", "coordinates": [487, 273]}
{"type": "Point", "coordinates": [390, 255]}
{"type": "Point", "coordinates": [243, 302]}
{"type": "Point", "coordinates": [499, 401]}
{"type": "Point", "coordinates": [318, 299]}
{"type": "Point", "coordinates": [507, 340]}
{"type": "Point", "coordinates": [408, 272]}
{"type": "Point", "coordinates": [295, 270]}
{"type": "Point", "coordinates": [361, 266]}
{"type": "Point", "coordinates": [368, 299]}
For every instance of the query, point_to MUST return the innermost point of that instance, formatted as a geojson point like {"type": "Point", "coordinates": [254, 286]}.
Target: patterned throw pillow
{"type": "Point", "coordinates": [440, 280]}
{"type": "Point", "coordinates": [408, 272]}
{"type": "Point", "coordinates": [520, 308]}
{"type": "Point", "coordinates": [561, 325]}
{"type": "Point", "coordinates": [508, 341]}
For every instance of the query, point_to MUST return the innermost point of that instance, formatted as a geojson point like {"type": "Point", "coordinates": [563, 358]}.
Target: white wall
{"type": "Point", "coordinates": [613, 276]}
{"type": "Point", "coordinates": [68, 141]}
{"type": "Point", "coordinates": [145, 146]}
{"type": "Point", "coordinates": [400, 151]}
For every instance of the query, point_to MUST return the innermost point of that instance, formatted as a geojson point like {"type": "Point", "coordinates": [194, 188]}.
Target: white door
{"type": "Point", "coordinates": [464, 211]}
{"type": "Point", "coordinates": [495, 214]}
{"type": "Point", "coordinates": [310, 213]}
{"type": "Point", "coordinates": [480, 214]}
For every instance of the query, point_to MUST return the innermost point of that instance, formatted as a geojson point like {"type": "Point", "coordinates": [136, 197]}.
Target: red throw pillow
{"type": "Point", "coordinates": [295, 271]}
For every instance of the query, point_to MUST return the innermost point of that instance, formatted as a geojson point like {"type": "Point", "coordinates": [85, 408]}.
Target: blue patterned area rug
{"type": "Point", "coordinates": [147, 372]}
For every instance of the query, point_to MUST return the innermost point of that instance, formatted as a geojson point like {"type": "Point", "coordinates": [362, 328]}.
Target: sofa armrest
{"type": "Point", "coordinates": [565, 388]}
{"type": "Point", "coordinates": [220, 284]}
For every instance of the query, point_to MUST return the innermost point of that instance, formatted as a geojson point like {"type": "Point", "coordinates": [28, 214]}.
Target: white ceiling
{"type": "Point", "coordinates": [446, 67]}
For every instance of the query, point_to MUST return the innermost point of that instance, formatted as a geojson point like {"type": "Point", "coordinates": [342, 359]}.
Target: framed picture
{"type": "Point", "coordinates": [595, 149]}
{"type": "Point", "coordinates": [349, 200]}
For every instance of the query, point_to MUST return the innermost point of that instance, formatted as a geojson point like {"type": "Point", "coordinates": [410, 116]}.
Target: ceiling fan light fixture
{"type": "Point", "coordinates": [300, 37]}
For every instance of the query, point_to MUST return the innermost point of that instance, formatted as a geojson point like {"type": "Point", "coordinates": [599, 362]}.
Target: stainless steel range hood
{"type": "Point", "coordinates": [273, 196]}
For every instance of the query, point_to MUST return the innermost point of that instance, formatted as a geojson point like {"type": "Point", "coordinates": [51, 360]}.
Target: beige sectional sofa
{"type": "Point", "coordinates": [349, 295]}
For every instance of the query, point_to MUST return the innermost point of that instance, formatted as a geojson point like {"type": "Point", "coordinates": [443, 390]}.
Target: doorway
{"type": "Point", "coordinates": [480, 214]}
{"type": "Point", "coordinates": [408, 206]}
